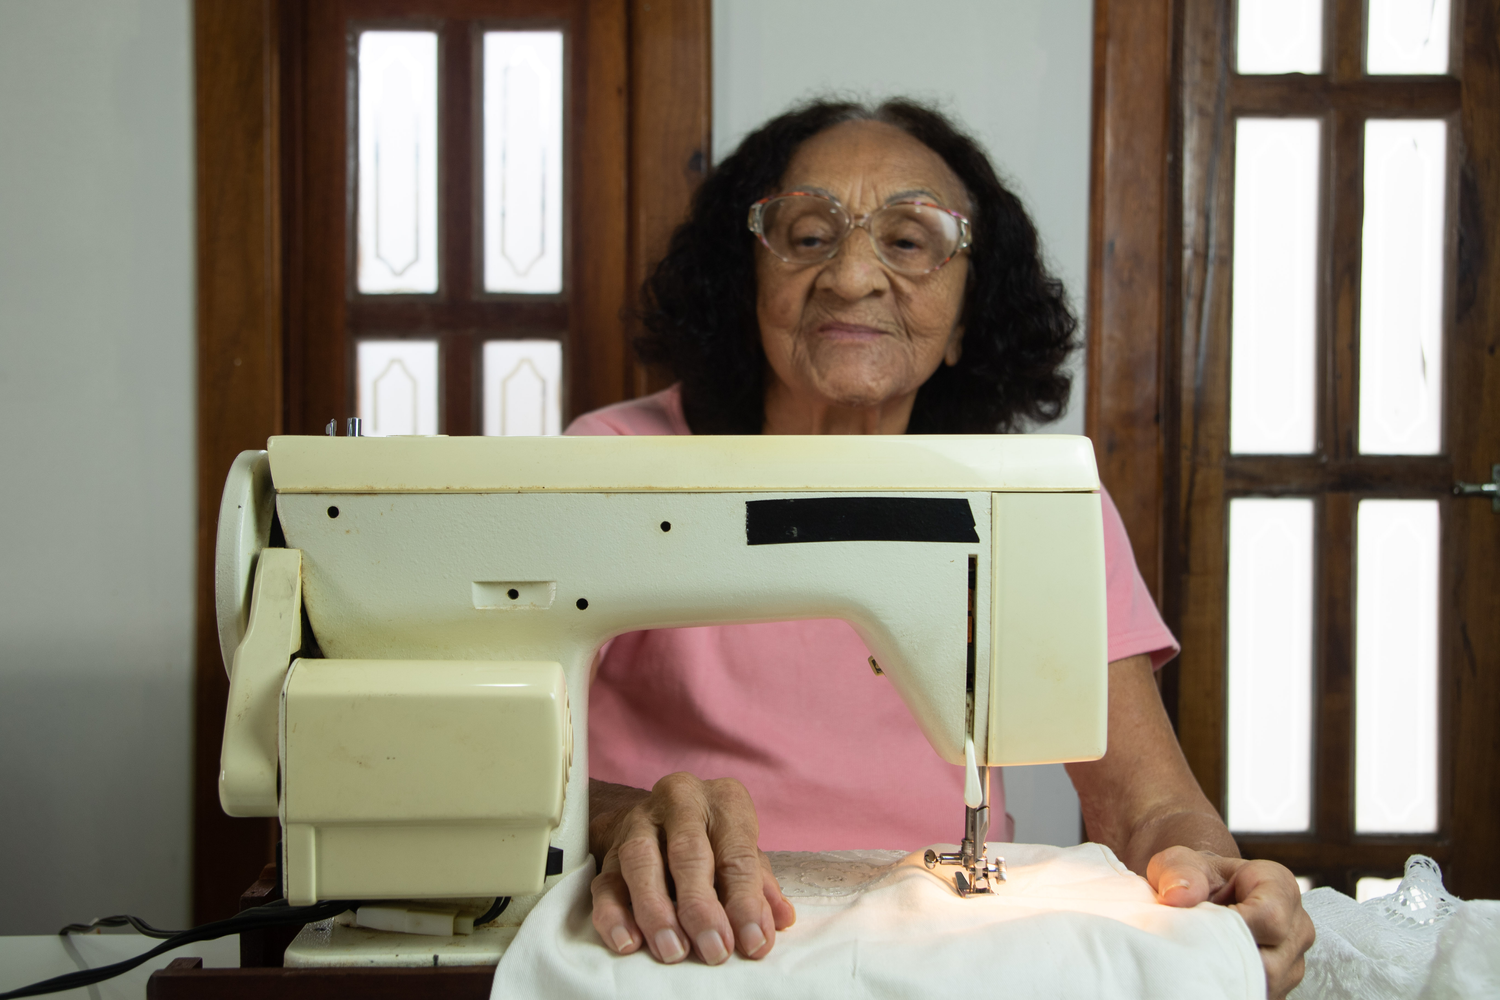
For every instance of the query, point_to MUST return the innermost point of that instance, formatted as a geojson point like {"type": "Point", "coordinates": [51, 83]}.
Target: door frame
{"type": "Point", "coordinates": [246, 61]}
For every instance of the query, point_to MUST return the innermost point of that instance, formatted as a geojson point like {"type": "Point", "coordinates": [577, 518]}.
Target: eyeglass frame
{"type": "Point", "coordinates": [757, 210]}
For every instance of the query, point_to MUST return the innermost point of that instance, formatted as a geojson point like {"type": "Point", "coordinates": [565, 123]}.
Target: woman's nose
{"type": "Point", "coordinates": [855, 269]}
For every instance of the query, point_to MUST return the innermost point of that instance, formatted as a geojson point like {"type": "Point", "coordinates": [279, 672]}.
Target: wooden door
{"type": "Point", "coordinates": [1174, 215]}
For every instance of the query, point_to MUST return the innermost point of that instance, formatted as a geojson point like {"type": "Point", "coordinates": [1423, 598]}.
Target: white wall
{"type": "Point", "coordinates": [96, 460]}
{"type": "Point", "coordinates": [1017, 73]}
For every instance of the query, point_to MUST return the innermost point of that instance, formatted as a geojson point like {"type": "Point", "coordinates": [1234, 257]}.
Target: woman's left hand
{"type": "Point", "coordinates": [1264, 893]}
{"type": "Point", "coordinates": [1141, 798]}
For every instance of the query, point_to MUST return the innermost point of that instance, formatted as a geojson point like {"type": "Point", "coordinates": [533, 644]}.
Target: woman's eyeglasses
{"type": "Point", "coordinates": [910, 237]}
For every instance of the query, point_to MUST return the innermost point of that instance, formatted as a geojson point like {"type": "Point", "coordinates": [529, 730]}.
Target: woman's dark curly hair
{"type": "Point", "coordinates": [699, 303]}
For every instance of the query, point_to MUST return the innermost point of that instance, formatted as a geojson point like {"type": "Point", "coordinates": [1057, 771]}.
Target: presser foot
{"type": "Point", "coordinates": [977, 876]}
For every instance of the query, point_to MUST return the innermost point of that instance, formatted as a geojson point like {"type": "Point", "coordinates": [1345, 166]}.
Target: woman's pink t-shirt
{"type": "Point", "coordinates": [829, 753]}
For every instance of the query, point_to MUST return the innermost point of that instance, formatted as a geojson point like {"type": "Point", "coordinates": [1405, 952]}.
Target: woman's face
{"type": "Point", "coordinates": [850, 333]}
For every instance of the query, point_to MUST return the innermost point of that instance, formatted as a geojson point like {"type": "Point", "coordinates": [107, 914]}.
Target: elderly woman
{"type": "Point", "coordinates": [887, 282]}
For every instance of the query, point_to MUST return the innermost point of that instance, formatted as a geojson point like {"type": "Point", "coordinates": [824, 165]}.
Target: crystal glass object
{"type": "Point", "coordinates": [1279, 36]}
{"type": "Point", "coordinates": [1395, 667]}
{"type": "Point", "coordinates": [1273, 319]}
{"type": "Point", "coordinates": [523, 161]}
{"type": "Point", "coordinates": [1407, 36]}
{"type": "Point", "coordinates": [522, 387]}
{"type": "Point", "coordinates": [398, 212]}
{"type": "Point", "coordinates": [1269, 697]}
{"type": "Point", "coordinates": [1401, 288]}
{"type": "Point", "coordinates": [398, 387]}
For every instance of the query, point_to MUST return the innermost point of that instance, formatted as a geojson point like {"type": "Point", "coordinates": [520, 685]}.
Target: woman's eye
{"type": "Point", "coordinates": [907, 241]}
{"type": "Point", "coordinates": [808, 236]}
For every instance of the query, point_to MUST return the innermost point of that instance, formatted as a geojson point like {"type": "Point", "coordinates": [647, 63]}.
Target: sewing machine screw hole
{"type": "Point", "coordinates": [666, 526]}
{"type": "Point", "coordinates": [333, 512]}
{"type": "Point", "coordinates": [513, 593]}
{"type": "Point", "coordinates": [583, 604]}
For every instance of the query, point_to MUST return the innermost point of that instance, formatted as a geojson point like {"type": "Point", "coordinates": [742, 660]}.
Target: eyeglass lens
{"type": "Point", "coordinates": [912, 239]}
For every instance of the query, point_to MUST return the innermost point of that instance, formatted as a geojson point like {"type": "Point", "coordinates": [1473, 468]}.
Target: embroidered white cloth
{"type": "Point", "coordinates": [1418, 943]}
{"type": "Point", "coordinates": [1070, 922]}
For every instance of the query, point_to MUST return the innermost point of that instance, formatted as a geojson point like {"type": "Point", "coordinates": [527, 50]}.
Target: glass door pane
{"type": "Point", "coordinates": [1270, 665]}
{"type": "Point", "coordinates": [522, 387]}
{"type": "Point", "coordinates": [1401, 288]}
{"type": "Point", "coordinates": [523, 161]}
{"type": "Point", "coordinates": [398, 161]}
{"type": "Point", "coordinates": [1407, 36]}
{"type": "Point", "coordinates": [397, 387]}
{"type": "Point", "coordinates": [1273, 323]}
{"type": "Point", "coordinates": [1280, 36]}
{"type": "Point", "coordinates": [1395, 667]}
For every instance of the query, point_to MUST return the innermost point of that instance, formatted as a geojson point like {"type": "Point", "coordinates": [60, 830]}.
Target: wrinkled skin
{"type": "Point", "coordinates": [703, 834]}
{"type": "Point", "coordinates": [848, 343]}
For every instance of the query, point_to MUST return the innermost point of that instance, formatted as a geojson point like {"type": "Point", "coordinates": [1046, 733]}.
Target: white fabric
{"type": "Point", "coordinates": [1417, 943]}
{"type": "Point", "coordinates": [1070, 922]}
{"type": "Point", "coordinates": [1467, 966]}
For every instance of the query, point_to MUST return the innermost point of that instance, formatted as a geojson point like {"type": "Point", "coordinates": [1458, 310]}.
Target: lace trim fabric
{"type": "Point", "coordinates": [1420, 900]}
{"type": "Point", "coordinates": [1383, 948]}
{"type": "Point", "coordinates": [832, 874]}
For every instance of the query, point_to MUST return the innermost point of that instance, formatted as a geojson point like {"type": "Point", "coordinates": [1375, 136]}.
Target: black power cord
{"type": "Point", "coordinates": [501, 902]}
{"type": "Point", "coordinates": [275, 914]}
{"type": "Point", "coordinates": [141, 927]}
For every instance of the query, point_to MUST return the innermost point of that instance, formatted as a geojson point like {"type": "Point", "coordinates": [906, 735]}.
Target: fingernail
{"type": "Point", "coordinates": [712, 947]}
{"type": "Point", "coordinates": [669, 946]}
{"type": "Point", "coordinates": [752, 939]}
{"type": "Point", "coordinates": [622, 939]}
{"type": "Point", "coordinates": [1172, 887]}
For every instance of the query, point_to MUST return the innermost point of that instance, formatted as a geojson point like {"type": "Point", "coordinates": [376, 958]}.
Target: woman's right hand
{"type": "Point", "coordinates": [682, 871]}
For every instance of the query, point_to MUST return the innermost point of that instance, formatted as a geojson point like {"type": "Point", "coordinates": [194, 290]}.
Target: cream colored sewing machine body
{"type": "Point", "coordinates": [424, 734]}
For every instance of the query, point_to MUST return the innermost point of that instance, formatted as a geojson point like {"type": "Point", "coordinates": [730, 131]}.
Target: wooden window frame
{"type": "Point", "coordinates": [655, 56]}
{"type": "Point", "coordinates": [1157, 280]}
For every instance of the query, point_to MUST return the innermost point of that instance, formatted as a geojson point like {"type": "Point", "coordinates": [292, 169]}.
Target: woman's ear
{"type": "Point", "coordinates": [955, 346]}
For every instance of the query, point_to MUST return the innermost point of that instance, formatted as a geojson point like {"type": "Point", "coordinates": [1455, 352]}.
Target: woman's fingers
{"type": "Point", "coordinates": [1264, 894]}
{"type": "Point", "coordinates": [612, 917]}
{"type": "Point", "coordinates": [783, 914]}
{"type": "Point", "coordinates": [734, 832]}
{"type": "Point", "coordinates": [683, 873]}
{"type": "Point", "coordinates": [644, 872]}
{"type": "Point", "coordinates": [686, 820]}
{"type": "Point", "coordinates": [1184, 877]}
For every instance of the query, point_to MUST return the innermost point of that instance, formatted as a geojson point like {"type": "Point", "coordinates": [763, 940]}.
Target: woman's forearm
{"type": "Point", "coordinates": [1140, 797]}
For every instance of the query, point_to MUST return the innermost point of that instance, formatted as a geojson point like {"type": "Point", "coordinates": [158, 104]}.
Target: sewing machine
{"type": "Point", "coordinates": [409, 626]}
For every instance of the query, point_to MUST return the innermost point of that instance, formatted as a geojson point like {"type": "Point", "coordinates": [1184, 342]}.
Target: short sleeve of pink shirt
{"type": "Point", "coordinates": [827, 751]}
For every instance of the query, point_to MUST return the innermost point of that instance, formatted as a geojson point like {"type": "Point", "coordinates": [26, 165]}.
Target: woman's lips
{"type": "Point", "coordinates": [849, 331]}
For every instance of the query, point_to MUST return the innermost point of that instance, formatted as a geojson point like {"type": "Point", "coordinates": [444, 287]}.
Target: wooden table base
{"type": "Point", "coordinates": [261, 973]}
{"type": "Point", "coordinates": [186, 979]}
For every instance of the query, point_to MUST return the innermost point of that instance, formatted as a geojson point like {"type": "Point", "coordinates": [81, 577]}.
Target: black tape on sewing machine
{"type": "Point", "coordinates": [859, 519]}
